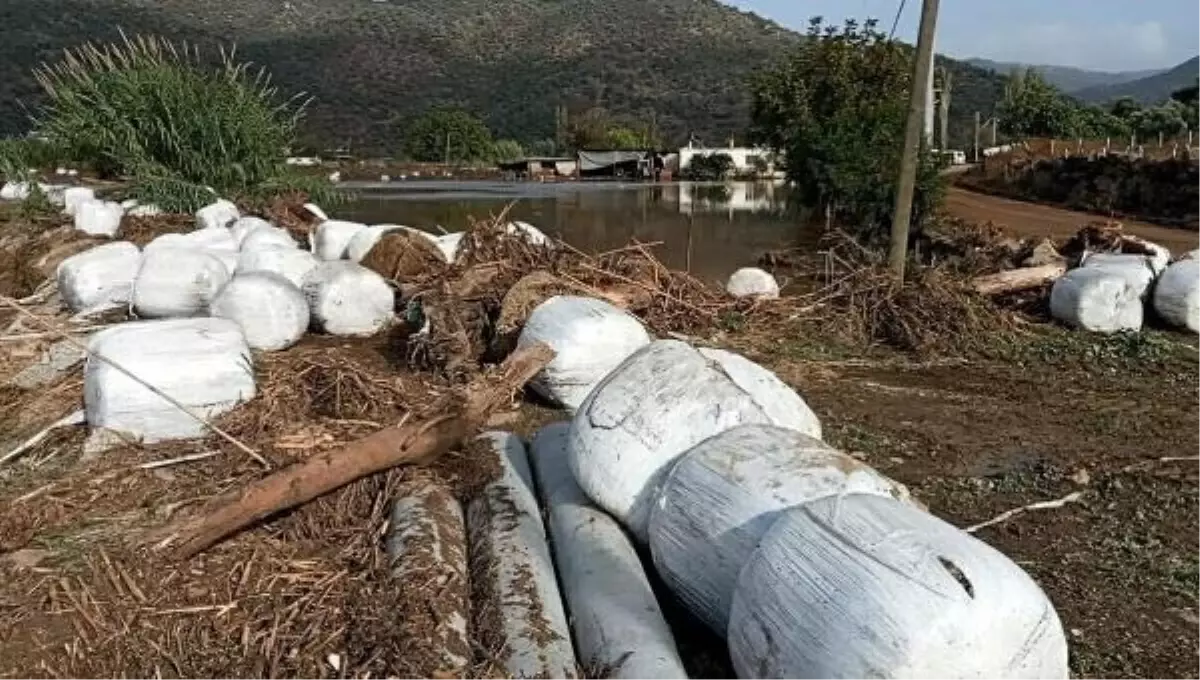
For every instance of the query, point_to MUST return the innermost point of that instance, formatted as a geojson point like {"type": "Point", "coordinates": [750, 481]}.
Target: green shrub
{"type": "Point", "coordinates": [709, 167]}
{"type": "Point", "coordinates": [154, 111]}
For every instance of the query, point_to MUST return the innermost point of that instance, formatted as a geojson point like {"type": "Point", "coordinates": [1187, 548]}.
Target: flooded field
{"type": "Point", "coordinates": [707, 229]}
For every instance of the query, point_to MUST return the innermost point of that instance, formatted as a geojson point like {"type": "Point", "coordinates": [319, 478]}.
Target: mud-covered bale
{"type": "Point", "coordinates": [347, 299]}
{"type": "Point", "coordinates": [73, 197]}
{"type": "Point", "coordinates": [1177, 295]}
{"type": "Point", "coordinates": [863, 586]}
{"type": "Point", "coordinates": [401, 255]}
{"type": "Point", "coordinates": [589, 337]}
{"type": "Point", "coordinates": [98, 218]}
{"type": "Point", "coordinates": [752, 282]}
{"type": "Point", "coordinates": [449, 244]}
{"type": "Point", "coordinates": [724, 493]}
{"type": "Point", "coordinates": [172, 282]}
{"type": "Point", "coordinates": [99, 278]}
{"type": "Point", "coordinates": [331, 239]}
{"type": "Point", "coordinates": [201, 363]}
{"type": "Point", "coordinates": [1097, 299]}
{"type": "Point", "coordinates": [661, 401]}
{"type": "Point", "coordinates": [427, 549]}
{"type": "Point", "coordinates": [243, 226]}
{"type": "Point", "coordinates": [267, 238]}
{"type": "Point", "coordinates": [1138, 270]}
{"type": "Point", "coordinates": [518, 303]}
{"type": "Point", "coordinates": [217, 215]}
{"type": "Point", "coordinates": [271, 311]}
{"type": "Point", "coordinates": [292, 264]}
{"type": "Point", "coordinates": [366, 239]}
{"type": "Point", "coordinates": [615, 617]}
{"type": "Point", "coordinates": [527, 231]}
{"type": "Point", "coordinates": [512, 560]}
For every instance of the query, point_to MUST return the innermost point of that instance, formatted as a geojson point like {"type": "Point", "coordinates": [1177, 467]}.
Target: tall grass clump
{"type": "Point", "coordinates": [178, 127]}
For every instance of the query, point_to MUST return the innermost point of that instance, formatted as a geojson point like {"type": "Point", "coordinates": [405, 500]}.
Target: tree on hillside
{"type": "Point", "coordinates": [1189, 97]}
{"type": "Point", "coordinates": [448, 134]}
{"type": "Point", "coordinates": [507, 150]}
{"type": "Point", "coordinates": [836, 108]}
{"type": "Point", "coordinates": [1032, 107]}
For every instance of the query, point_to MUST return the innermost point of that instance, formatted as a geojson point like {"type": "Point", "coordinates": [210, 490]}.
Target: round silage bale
{"type": "Point", "coordinates": [347, 299]}
{"type": "Point", "coordinates": [724, 493]}
{"type": "Point", "coordinates": [366, 239]}
{"type": "Point", "coordinates": [863, 585]}
{"type": "Point", "coordinates": [217, 215]}
{"type": "Point", "coordinates": [752, 281]}
{"type": "Point", "coordinates": [98, 218]}
{"type": "Point", "coordinates": [1177, 295]}
{"type": "Point", "coordinates": [331, 239]}
{"type": "Point", "coordinates": [100, 277]}
{"type": "Point", "coordinates": [172, 282]}
{"type": "Point", "coordinates": [291, 263]}
{"type": "Point", "coordinates": [264, 238]}
{"type": "Point", "coordinates": [242, 226]}
{"type": "Point", "coordinates": [589, 337]}
{"type": "Point", "coordinates": [661, 401]}
{"type": "Point", "coordinates": [271, 311]}
{"type": "Point", "coordinates": [401, 255]}
{"type": "Point", "coordinates": [1098, 299]}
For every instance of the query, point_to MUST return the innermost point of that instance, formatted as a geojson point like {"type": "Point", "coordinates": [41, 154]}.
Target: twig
{"type": "Point", "coordinates": [649, 289]}
{"type": "Point", "coordinates": [175, 461]}
{"type": "Point", "coordinates": [1166, 459]}
{"type": "Point", "coordinates": [1043, 505]}
{"type": "Point", "coordinates": [76, 418]}
{"type": "Point", "coordinates": [12, 304]}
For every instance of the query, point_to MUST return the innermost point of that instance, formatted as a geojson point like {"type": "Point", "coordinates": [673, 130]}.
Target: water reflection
{"type": "Point", "coordinates": [708, 229]}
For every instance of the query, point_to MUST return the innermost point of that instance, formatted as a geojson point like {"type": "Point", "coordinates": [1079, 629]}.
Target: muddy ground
{"type": "Point", "coordinates": [1022, 420]}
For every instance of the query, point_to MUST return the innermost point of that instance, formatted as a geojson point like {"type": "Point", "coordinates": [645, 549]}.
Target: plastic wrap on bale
{"type": "Point", "coordinates": [1097, 299]}
{"type": "Point", "coordinates": [1177, 295]}
{"type": "Point", "coordinates": [865, 586]}
{"type": "Point", "coordinates": [291, 263]}
{"type": "Point", "coordinates": [506, 535]}
{"type": "Point", "coordinates": [616, 619]}
{"type": "Point", "coordinates": [99, 278]}
{"type": "Point", "coordinates": [726, 492]}
{"type": "Point", "coordinates": [202, 363]}
{"type": "Point", "coordinates": [331, 239]}
{"type": "Point", "coordinates": [661, 401]}
{"type": "Point", "coordinates": [176, 283]}
{"type": "Point", "coordinates": [348, 299]}
{"type": "Point", "coordinates": [271, 311]}
{"type": "Point", "coordinates": [217, 215]}
{"type": "Point", "coordinates": [590, 338]}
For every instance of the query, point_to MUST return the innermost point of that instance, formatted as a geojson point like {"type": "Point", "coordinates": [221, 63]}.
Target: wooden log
{"type": "Point", "coordinates": [1015, 280]}
{"type": "Point", "coordinates": [414, 442]}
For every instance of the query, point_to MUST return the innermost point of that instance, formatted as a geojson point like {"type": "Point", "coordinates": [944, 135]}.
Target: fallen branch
{"type": "Point", "coordinates": [1009, 514]}
{"type": "Point", "coordinates": [1017, 279]}
{"type": "Point", "coordinates": [76, 418]}
{"type": "Point", "coordinates": [415, 442]}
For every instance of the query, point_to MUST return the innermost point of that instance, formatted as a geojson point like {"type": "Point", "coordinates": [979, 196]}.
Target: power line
{"type": "Point", "coordinates": [896, 21]}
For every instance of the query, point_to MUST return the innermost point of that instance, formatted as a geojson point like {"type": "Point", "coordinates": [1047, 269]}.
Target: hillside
{"type": "Point", "coordinates": [1067, 78]}
{"type": "Point", "coordinates": [372, 65]}
{"type": "Point", "coordinates": [1149, 90]}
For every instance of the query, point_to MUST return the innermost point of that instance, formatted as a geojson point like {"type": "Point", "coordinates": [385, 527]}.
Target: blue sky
{"type": "Point", "coordinates": [1107, 35]}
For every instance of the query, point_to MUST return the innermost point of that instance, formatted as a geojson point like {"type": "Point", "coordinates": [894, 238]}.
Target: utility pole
{"type": "Point", "coordinates": [976, 154]}
{"type": "Point", "coordinates": [929, 98]}
{"type": "Point", "coordinates": [447, 148]}
{"type": "Point", "coordinates": [902, 213]}
{"type": "Point", "coordinates": [944, 110]}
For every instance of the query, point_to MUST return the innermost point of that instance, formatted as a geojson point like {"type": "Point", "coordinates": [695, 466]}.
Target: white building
{"type": "Point", "coordinates": [745, 159]}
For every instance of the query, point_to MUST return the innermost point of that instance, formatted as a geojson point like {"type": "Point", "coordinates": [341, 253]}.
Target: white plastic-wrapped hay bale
{"type": "Point", "coordinates": [201, 363]}
{"type": "Point", "coordinates": [98, 218]}
{"type": "Point", "coordinates": [529, 232]}
{"type": "Point", "coordinates": [99, 278]}
{"type": "Point", "coordinates": [242, 226]}
{"type": "Point", "coordinates": [316, 211]}
{"type": "Point", "coordinates": [866, 586]}
{"type": "Point", "coordinates": [617, 622]}
{"type": "Point", "coordinates": [724, 493]}
{"type": "Point", "coordinates": [589, 337]}
{"type": "Point", "coordinates": [1138, 270]}
{"type": "Point", "coordinates": [1177, 295]}
{"type": "Point", "coordinates": [427, 549]}
{"type": "Point", "coordinates": [449, 244]}
{"type": "Point", "coordinates": [271, 311]}
{"type": "Point", "coordinates": [292, 264]}
{"type": "Point", "coordinates": [366, 238]}
{"type": "Point", "coordinates": [217, 215]}
{"type": "Point", "coordinates": [14, 191]}
{"type": "Point", "coordinates": [265, 238]}
{"type": "Point", "coordinates": [73, 197]}
{"type": "Point", "coordinates": [147, 210]}
{"type": "Point", "coordinates": [201, 239]}
{"type": "Point", "coordinates": [1097, 299]}
{"type": "Point", "coordinates": [173, 282]}
{"type": "Point", "coordinates": [661, 401]}
{"type": "Point", "coordinates": [1190, 255]}
{"type": "Point", "coordinates": [509, 549]}
{"type": "Point", "coordinates": [331, 239]}
{"type": "Point", "coordinates": [752, 281]}
{"type": "Point", "coordinates": [347, 299]}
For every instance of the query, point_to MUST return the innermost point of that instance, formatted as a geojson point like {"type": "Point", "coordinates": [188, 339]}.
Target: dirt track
{"type": "Point", "coordinates": [1032, 219]}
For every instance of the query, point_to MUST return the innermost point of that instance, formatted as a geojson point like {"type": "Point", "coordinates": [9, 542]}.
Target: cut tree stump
{"type": "Point", "coordinates": [1017, 279]}
{"type": "Point", "coordinates": [419, 441]}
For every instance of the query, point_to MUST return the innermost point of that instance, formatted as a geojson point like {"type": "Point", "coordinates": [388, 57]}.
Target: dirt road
{"type": "Point", "coordinates": [1032, 219]}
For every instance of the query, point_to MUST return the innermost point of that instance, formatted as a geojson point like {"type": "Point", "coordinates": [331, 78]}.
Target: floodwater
{"type": "Point", "coordinates": [707, 229]}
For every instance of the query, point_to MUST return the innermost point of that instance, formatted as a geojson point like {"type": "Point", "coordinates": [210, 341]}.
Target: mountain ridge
{"type": "Point", "coordinates": [1150, 90]}
{"type": "Point", "coordinates": [373, 65]}
{"type": "Point", "coordinates": [1069, 79]}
